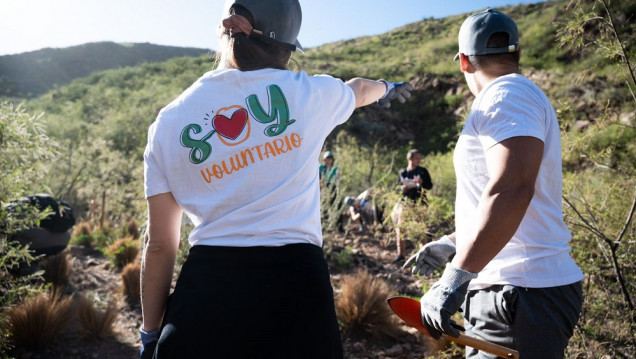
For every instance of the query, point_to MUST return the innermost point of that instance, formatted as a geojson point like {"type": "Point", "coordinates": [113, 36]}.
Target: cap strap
{"type": "Point", "coordinates": [258, 34]}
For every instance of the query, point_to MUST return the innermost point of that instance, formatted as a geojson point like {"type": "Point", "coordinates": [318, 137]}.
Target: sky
{"type": "Point", "coordinates": [28, 25]}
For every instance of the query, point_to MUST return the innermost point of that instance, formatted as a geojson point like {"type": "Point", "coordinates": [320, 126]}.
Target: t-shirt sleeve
{"type": "Point", "coordinates": [509, 112]}
{"type": "Point", "coordinates": [339, 97]}
{"type": "Point", "coordinates": [427, 183]}
{"type": "Point", "coordinates": [155, 181]}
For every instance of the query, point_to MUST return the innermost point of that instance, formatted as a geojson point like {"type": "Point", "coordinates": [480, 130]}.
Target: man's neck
{"type": "Point", "coordinates": [486, 76]}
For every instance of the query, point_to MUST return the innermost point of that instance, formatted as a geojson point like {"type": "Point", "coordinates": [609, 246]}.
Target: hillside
{"type": "Point", "coordinates": [33, 73]}
{"type": "Point", "coordinates": [420, 52]}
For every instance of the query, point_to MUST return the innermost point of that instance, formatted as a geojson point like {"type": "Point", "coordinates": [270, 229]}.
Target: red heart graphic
{"type": "Point", "coordinates": [230, 128]}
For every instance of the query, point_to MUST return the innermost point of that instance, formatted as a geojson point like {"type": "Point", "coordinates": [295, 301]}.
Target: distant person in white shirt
{"type": "Point", "coordinates": [512, 271]}
{"type": "Point", "coordinates": [363, 210]}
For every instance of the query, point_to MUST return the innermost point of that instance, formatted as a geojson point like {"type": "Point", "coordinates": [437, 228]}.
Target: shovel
{"type": "Point", "coordinates": [408, 309]}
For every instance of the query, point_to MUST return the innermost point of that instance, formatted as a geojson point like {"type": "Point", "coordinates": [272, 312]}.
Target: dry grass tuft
{"type": "Point", "coordinates": [93, 322]}
{"type": "Point", "coordinates": [83, 234]}
{"type": "Point", "coordinates": [132, 228]}
{"type": "Point", "coordinates": [123, 251]}
{"type": "Point", "coordinates": [57, 269]}
{"type": "Point", "coordinates": [131, 282]}
{"type": "Point", "coordinates": [82, 228]}
{"type": "Point", "coordinates": [362, 306]}
{"type": "Point", "coordinates": [38, 321]}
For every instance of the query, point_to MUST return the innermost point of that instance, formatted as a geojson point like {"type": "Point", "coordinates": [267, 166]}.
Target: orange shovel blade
{"type": "Point", "coordinates": [408, 309]}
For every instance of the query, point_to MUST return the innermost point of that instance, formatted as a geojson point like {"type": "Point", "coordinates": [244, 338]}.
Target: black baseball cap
{"type": "Point", "coordinates": [478, 28]}
{"type": "Point", "coordinates": [275, 21]}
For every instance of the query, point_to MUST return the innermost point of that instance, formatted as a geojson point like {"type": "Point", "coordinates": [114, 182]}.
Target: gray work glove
{"type": "Point", "coordinates": [399, 90]}
{"type": "Point", "coordinates": [432, 256]}
{"type": "Point", "coordinates": [443, 300]}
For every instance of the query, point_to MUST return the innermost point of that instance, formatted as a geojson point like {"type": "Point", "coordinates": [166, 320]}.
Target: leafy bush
{"type": "Point", "coordinates": [82, 239]}
{"type": "Point", "coordinates": [24, 148]}
{"type": "Point", "coordinates": [343, 258]}
{"type": "Point", "coordinates": [599, 203]}
{"type": "Point", "coordinates": [599, 195]}
{"type": "Point", "coordinates": [23, 145]}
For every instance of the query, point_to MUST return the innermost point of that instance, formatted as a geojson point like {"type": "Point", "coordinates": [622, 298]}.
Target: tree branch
{"type": "Point", "coordinates": [628, 221]}
{"type": "Point", "coordinates": [618, 38]}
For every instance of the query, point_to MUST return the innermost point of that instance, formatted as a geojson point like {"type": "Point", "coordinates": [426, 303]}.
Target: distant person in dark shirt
{"type": "Point", "coordinates": [412, 180]}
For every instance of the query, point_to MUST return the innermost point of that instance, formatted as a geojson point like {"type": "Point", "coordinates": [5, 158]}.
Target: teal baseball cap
{"type": "Point", "coordinates": [478, 28]}
{"type": "Point", "coordinates": [275, 21]}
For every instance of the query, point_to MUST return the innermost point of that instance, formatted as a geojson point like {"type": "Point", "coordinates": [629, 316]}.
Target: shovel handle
{"type": "Point", "coordinates": [485, 346]}
{"type": "Point", "coordinates": [408, 309]}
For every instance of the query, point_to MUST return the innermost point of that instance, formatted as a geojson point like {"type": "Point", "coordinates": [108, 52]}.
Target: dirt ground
{"type": "Point", "coordinates": [92, 274]}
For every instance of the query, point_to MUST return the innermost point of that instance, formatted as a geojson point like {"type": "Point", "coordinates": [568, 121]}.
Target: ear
{"type": "Point", "coordinates": [464, 64]}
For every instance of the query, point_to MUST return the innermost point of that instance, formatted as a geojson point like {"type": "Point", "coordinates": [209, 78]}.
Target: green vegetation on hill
{"type": "Point", "coordinates": [34, 73]}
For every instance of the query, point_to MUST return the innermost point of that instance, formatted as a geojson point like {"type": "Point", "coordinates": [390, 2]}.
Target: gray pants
{"type": "Point", "coordinates": [537, 322]}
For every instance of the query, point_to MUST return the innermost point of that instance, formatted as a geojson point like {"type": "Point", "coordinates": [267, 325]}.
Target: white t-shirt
{"type": "Point", "coordinates": [237, 150]}
{"type": "Point", "coordinates": [538, 255]}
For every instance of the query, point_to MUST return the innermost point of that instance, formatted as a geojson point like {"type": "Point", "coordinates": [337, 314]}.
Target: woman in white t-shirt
{"type": "Point", "coordinates": [235, 152]}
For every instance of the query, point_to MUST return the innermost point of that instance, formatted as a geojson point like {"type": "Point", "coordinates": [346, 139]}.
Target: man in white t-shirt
{"type": "Point", "coordinates": [512, 271]}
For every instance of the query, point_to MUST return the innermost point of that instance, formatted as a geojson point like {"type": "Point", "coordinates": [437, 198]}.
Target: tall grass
{"type": "Point", "coordinates": [362, 308]}
{"type": "Point", "coordinates": [130, 277]}
{"type": "Point", "coordinates": [94, 323]}
{"type": "Point", "coordinates": [131, 228]}
{"type": "Point", "coordinates": [36, 322]}
{"type": "Point", "coordinates": [57, 269]}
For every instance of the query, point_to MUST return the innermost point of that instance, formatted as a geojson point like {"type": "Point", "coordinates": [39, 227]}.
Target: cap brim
{"type": "Point", "coordinates": [299, 47]}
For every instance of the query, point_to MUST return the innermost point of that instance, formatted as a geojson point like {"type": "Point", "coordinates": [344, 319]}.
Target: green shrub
{"type": "Point", "coordinates": [23, 147]}
{"type": "Point", "coordinates": [343, 258]}
{"type": "Point", "coordinates": [597, 207]}
{"type": "Point", "coordinates": [85, 240]}
{"type": "Point", "coordinates": [123, 251]}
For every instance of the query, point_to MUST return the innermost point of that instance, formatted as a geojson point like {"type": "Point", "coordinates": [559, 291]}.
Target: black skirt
{"type": "Point", "coordinates": [252, 302]}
